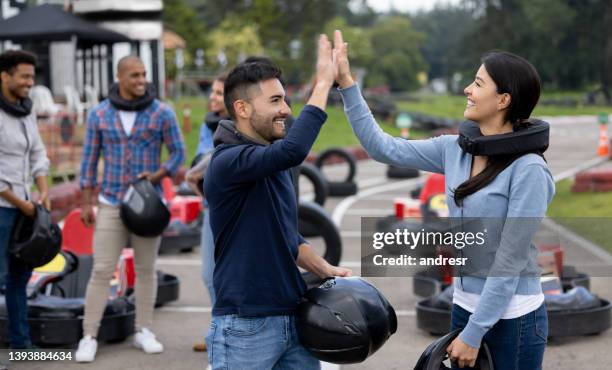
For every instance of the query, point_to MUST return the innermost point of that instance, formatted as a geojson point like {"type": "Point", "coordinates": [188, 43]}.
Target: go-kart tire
{"type": "Point", "coordinates": [383, 224]}
{"type": "Point", "coordinates": [316, 217]}
{"type": "Point", "coordinates": [307, 230]}
{"type": "Point", "coordinates": [184, 190]}
{"type": "Point", "coordinates": [183, 242]}
{"type": "Point", "coordinates": [168, 288]}
{"type": "Point", "coordinates": [342, 189]}
{"type": "Point", "coordinates": [428, 282]}
{"type": "Point", "coordinates": [571, 278]}
{"type": "Point", "coordinates": [346, 155]}
{"type": "Point", "coordinates": [563, 323]}
{"type": "Point", "coordinates": [435, 321]}
{"type": "Point", "coordinates": [315, 176]}
{"type": "Point", "coordinates": [394, 172]}
{"type": "Point", "coordinates": [61, 327]}
{"type": "Point", "coordinates": [568, 323]}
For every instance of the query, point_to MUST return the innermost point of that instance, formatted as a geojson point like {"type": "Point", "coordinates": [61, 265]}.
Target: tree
{"type": "Point", "coordinates": [235, 40]}
{"type": "Point", "coordinates": [360, 46]}
{"type": "Point", "coordinates": [397, 60]}
{"type": "Point", "coordinates": [180, 18]}
{"type": "Point", "coordinates": [444, 28]}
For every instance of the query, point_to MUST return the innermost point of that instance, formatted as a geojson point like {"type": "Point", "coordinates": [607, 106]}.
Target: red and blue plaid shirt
{"type": "Point", "coordinates": [125, 157]}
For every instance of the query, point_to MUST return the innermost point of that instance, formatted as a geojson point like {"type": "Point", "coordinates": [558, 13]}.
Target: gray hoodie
{"type": "Point", "coordinates": [22, 155]}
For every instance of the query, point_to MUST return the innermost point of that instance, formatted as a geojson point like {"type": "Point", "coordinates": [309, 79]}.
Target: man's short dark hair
{"type": "Point", "coordinates": [244, 75]}
{"type": "Point", "coordinates": [10, 59]}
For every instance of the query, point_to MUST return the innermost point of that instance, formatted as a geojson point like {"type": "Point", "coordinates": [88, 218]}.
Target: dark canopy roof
{"type": "Point", "coordinates": [51, 23]}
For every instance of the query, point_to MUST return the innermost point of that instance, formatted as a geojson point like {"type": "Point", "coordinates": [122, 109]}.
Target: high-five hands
{"type": "Point", "coordinates": [342, 70]}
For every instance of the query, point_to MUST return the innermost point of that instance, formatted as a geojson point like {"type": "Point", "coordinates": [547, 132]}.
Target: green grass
{"type": "Point", "coordinates": [335, 132]}
{"type": "Point", "coordinates": [452, 106]}
{"type": "Point", "coordinates": [588, 214]}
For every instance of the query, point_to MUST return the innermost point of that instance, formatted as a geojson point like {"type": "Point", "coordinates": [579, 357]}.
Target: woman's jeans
{"type": "Point", "coordinates": [14, 276]}
{"type": "Point", "coordinates": [208, 255]}
{"type": "Point", "coordinates": [515, 344]}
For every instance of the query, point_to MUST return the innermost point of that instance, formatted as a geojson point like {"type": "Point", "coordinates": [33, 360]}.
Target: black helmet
{"type": "Point", "coordinates": [142, 210]}
{"type": "Point", "coordinates": [345, 320]}
{"type": "Point", "coordinates": [36, 240]}
{"type": "Point", "coordinates": [435, 354]}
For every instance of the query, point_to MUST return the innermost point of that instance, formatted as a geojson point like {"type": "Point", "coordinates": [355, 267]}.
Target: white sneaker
{"type": "Point", "coordinates": [146, 341]}
{"type": "Point", "coordinates": [87, 349]}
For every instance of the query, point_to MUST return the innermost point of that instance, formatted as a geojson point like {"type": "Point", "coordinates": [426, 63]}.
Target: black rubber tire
{"type": "Point", "coordinates": [428, 282]}
{"type": "Point", "coordinates": [316, 177]}
{"type": "Point", "coordinates": [579, 322]}
{"type": "Point", "coordinates": [340, 152]}
{"type": "Point", "coordinates": [435, 321]}
{"type": "Point", "coordinates": [62, 328]}
{"type": "Point", "coordinates": [342, 189]}
{"type": "Point", "coordinates": [168, 288]}
{"type": "Point", "coordinates": [183, 242]}
{"type": "Point", "coordinates": [308, 230]}
{"type": "Point", "coordinates": [184, 190]}
{"type": "Point", "coordinates": [416, 192]}
{"type": "Point", "coordinates": [571, 278]}
{"type": "Point", "coordinates": [394, 172]}
{"type": "Point", "coordinates": [567, 323]}
{"type": "Point", "coordinates": [314, 215]}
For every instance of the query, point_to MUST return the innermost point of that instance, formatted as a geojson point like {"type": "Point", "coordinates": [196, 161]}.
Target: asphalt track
{"type": "Point", "coordinates": [179, 324]}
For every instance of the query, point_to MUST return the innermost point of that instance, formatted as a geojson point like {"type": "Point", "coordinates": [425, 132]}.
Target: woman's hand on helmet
{"type": "Point", "coordinates": [462, 354]}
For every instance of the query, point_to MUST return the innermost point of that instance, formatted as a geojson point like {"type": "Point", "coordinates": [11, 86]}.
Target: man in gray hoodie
{"type": "Point", "coordinates": [23, 158]}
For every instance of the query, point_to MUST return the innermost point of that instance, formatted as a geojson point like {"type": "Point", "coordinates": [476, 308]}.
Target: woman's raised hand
{"type": "Point", "coordinates": [342, 70]}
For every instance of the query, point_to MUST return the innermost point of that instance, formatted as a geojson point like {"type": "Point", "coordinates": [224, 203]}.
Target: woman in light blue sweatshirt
{"type": "Point", "coordinates": [505, 307]}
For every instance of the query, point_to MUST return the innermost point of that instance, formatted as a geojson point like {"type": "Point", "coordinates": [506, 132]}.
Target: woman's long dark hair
{"type": "Point", "coordinates": [513, 75]}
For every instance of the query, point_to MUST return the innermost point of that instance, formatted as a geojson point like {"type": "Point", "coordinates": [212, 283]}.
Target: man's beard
{"type": "Point", "coordinates": [264, 127]}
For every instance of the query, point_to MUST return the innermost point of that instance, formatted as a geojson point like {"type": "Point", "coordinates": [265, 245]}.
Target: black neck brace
{"type": "Point", "coordinates": [212, 120]}
{"type": "Point", "coordinates": [131, 105]}
{"type": "Point", "coordinates": [21, 109]}
{"type": "Point", "coordinates": [533, 138]}
{"type": "Point", "coordinates": [227, 133]}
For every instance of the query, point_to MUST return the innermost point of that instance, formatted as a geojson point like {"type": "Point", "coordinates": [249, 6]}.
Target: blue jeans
{"type": "Point", "coordinates": [268, 342]}
{"type": "Point", "coordinates": [515, 344]}
{"type": "Point", "coordinates": [208, 255]}
{"type": "Point", "coordinates": [16, 277]}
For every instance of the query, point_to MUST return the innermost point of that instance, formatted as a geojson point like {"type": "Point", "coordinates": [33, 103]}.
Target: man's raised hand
{"type": "Point", "coordinates": [325, 67]}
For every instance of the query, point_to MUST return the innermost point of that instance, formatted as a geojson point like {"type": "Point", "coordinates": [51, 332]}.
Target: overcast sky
{"type": "Point", "coordinates": [410, 6]}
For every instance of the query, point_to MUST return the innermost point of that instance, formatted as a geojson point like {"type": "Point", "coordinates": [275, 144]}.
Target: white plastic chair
{"type": "Point", "coordinates": [73, 101]}
{"type": "Point", "coordinates": [91, 97]}
{"type": "Point", "coordinates": [42, 101]}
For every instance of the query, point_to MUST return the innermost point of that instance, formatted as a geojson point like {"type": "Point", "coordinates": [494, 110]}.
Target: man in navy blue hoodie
{"type": "Point", "coordinates": [253, 213]}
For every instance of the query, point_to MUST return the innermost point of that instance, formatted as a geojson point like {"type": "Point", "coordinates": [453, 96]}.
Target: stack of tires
{"type": "Point", "coordinates": [348, 186]}
{"type": "Point", "coordinates": [315, 222]}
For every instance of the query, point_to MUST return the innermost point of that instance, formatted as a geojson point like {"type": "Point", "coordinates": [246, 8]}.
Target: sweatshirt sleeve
{"type": "Point", "coordinates": [91, 152]}
{"type": "Point", "coordinates": [247, 163]}
{"type": "Point", "coordinates": [427, 155]}
{"type": "Point", "coordinates": [173, 139]}
{"type": "Point", "coordinates": [531, 190]}
{"type": "Point", "coordinates": [39, 162]}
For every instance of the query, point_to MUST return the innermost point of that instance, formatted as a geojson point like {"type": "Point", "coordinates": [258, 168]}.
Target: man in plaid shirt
{"type": "Point", "coordinates": [128, 130]}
